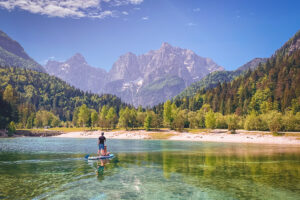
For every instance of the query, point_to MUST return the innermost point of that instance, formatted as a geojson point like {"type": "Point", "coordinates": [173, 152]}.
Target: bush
{"type": "Point", "coordinates": [254, 122]}
{"type": "Point", "coordinates": [232, 122]}
{"type": "Point", "coordinates": [200, 119]}
{"type": "Point", "coordinates": [274, 121]}
{"type": "Point", "coordinates": [210, 119]}
{"type": "Point", "coordinates": [180, 120]}
{"type": "Point", "coordinates": [11, 129]}
{"type": "Point", "coordinates": [220, 121]}
{"type": "Point", "coordinates": [193, 122]}
{"type": "Point", "coordinates": [297, 116]}
{"type": "Point", "coordinates": [289, 121]}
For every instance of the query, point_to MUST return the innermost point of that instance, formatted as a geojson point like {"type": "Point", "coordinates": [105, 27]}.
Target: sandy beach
{"type": "Point", "coordinates": [218, 135]}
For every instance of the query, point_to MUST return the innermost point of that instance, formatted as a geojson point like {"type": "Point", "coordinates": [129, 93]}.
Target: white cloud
{"type": "Point", "coordinates": [196, 9]}
{"type": "Point", "coordinates": [191, 24]}
{"type": "Point", "coordinates": [124, 2]}
{"type": "Point", "coordinates": [136, 2]}
{"type": "Point", "coordinates": [145, 18]}
{"type": "Point", "coordinates": [69, 8]}
{"type": "Point", "coordinates": [125, 13]}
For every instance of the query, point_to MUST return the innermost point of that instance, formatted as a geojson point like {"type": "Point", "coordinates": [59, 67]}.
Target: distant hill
{"type": "Point", "coordinates": [13, 54]}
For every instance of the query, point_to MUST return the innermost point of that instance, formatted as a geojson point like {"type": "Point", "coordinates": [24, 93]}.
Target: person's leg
{"type": "Point", "coordinates": [102, 150]}
{"type": "Point", "coordinates": [105, 150]}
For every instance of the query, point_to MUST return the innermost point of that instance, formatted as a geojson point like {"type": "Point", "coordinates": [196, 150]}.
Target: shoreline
{"type": "Point", "coordinates": [217, 135]}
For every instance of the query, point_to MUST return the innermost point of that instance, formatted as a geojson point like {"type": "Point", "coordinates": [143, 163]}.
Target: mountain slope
{"type": "Point", "coordinates": [13, 54]}
{"type": "Point", "coordinates": [213, 79]}
{"type": "Point", "coordinates": [272, 86]}
{"type": "Point", "coordinates": [78, 73]}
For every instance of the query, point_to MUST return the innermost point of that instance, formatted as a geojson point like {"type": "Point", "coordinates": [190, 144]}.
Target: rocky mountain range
{"type": "Point", "coordinates": [78, 73]}
{"type": "Point", "coordinates": [146, 79]}
{"type": "Point", "coordinates": [13, 54]}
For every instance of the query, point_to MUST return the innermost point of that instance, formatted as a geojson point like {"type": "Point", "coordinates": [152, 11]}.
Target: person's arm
{"type": "Point", "coordinates": [98, 141]}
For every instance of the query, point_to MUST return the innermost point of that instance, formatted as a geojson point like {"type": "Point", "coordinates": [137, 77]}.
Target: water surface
{"type": "Point", "coordinates": [54, 168]}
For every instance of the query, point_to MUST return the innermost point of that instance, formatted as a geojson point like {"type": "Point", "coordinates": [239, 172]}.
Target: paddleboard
{"type": "Point", "coordinates": [99, 157]}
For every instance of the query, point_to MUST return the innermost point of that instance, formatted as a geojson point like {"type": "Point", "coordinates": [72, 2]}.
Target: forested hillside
{"type": "Point", "coordinates": [273, 85]}
{"type": "Point", "coordinates": [209, 81]}
{"type": "Point", "coordinates": [214, 78]}
{"type": "Point", "coordinates": [27, 91]}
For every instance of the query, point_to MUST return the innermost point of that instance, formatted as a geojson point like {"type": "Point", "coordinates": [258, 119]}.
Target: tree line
{"type": "Point", "coordinates": [267, 98]}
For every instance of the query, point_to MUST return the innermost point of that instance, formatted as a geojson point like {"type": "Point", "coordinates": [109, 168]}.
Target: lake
{"type": "Point", "coordinates": [54, 168]}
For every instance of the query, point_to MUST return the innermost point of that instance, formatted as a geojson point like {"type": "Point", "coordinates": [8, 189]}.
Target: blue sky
{"type": "Point", "coordinates": [231, 32]}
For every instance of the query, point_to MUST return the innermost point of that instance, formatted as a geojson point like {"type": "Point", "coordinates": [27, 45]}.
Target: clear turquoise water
{"type": "Point", "coordinates": [54, 168]}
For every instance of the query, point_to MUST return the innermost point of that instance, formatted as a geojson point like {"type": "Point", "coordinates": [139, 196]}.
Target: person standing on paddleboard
{"type": "Point", "coordinates": [101, 142]}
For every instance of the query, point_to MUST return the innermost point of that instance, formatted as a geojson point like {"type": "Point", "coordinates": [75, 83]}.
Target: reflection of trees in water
{"type": "Point", "coordinates": [224, 170]}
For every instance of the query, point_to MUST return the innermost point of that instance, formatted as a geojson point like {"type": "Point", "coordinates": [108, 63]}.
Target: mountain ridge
{"type": "Point", "coordinates": [13, 54]}
{"type": "Point", "coordinates": [212, 79]}
{"type": "Point", "coordinates": [131, 74]}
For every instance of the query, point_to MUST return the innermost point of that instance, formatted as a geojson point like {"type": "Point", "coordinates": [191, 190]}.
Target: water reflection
{"type": "Point", "coordinates": [153, 170]}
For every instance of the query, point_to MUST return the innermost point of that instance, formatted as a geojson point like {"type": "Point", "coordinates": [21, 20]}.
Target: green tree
{"type": "Point", "coordinates": [30, 121]}
{"type": "Point", "coordinates": [102, 118]}
{"type": "Point", "coordinates": [148, 121]}
{"type": "Point", "coordinates": [289, 121]}
{"type": "Point", "coordinates": [232, 122]}
{"type": "Point", "coordinates": [55, 122]}
{"type": "Point", "coordinates": [201, 118]}
{"type": "Point", "coordinates": [140, 118]}
{"type": "Point", "coordinates": [94, 118]}
{"type": "Point", "coordinates": [5, 113]}
{"type": "Point", "coordinates": [221, 121]}
{"type": "Point", "coordinates": [83, 116]}
{"type": "Point", "coordinates": [180, 120]}
{"type": "Point", "coordinates": [168, 113]}
{"type": "Point", "coordinates": [193, 121]}
{"type": "Point", "coordinates": [11, 129]}
{"type": "Point", "coordinates": [10, 95]}
{"type": "Point", "coordinates": [132, 118]}
{"type": "Point", "coordinates": [210, 120]}
{"type": "Point", "coordinates": [124, 120]}
{"type": "Point", "coordinates": [75, 120]}
{"type": "Point", "coordinates": [274, 121]}
{"type": "Point", "coordinates": [112, 118]}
